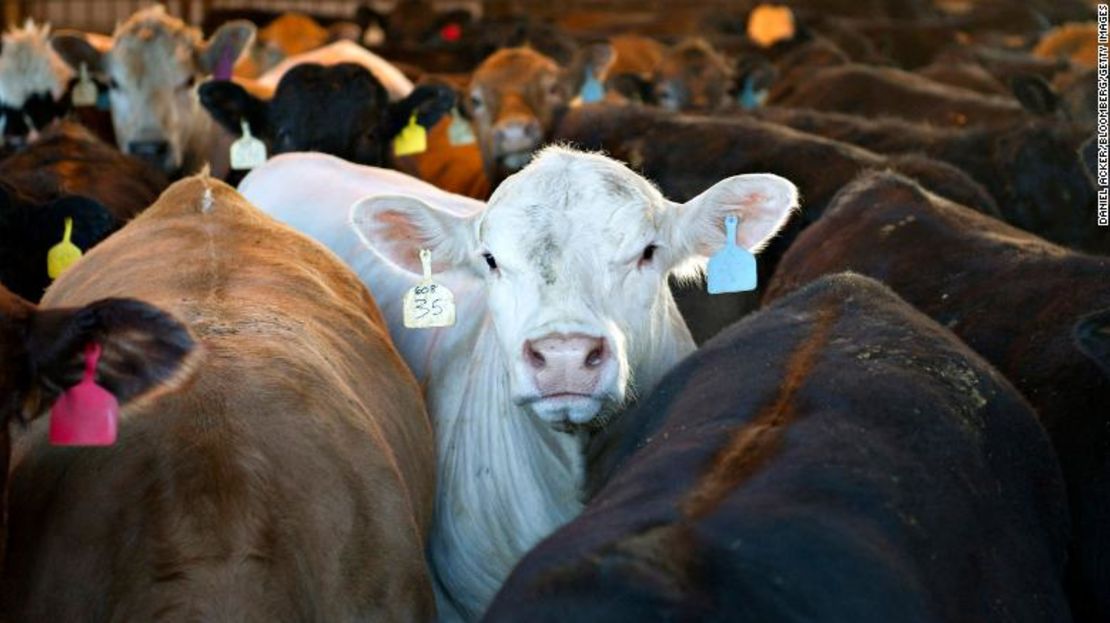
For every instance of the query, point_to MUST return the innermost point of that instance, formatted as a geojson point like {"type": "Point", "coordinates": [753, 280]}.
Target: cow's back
{"type": "Point", "coordinates": [291, 478]}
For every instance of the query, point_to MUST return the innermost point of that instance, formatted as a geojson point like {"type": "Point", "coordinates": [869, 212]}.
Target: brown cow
{"type": "Point", "coordinates": [694, 77]}
{"type": "Point", "coordinates": [1037, 311]}
{"type": "Point", "coordinates": [291, 476]}
{"type": "Point", "coordinates": [517, 94]}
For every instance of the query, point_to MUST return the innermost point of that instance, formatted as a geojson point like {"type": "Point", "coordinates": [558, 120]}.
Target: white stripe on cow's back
{"type": "Point", "coordinates": [395, 82]}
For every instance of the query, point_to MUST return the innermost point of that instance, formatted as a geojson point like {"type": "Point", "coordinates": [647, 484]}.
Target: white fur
{"type": "Point", "coordinates": [506, 478]}
{"type": "Point", "coordinates": [395, 82]}
{"type": "Point", "coordinates": [28, 65]}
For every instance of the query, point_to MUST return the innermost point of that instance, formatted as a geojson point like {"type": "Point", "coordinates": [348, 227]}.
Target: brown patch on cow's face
{"type": "Point", "coordinates": [754, 443]}
{"type": "Point", "coordinates": [693, 77]}
{"type": "Point", "coordinates": [514, 97]}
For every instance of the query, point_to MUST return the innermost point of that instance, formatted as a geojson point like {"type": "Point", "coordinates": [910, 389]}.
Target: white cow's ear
{"type": "Point", "coordinates": [225, 45]}
{"type": "Point", "coordinates": [763, 203]}
{"type": "Point", "coordinates": [398, 227]}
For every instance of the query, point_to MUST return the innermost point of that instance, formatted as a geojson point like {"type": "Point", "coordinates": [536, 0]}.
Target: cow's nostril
{"type": "Point", "coordinates": [535, 358]}
{"type": "Point", "coordinates": [595, 357]}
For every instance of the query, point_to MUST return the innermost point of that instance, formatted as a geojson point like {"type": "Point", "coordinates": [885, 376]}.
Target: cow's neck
{"type": "Point", "coordinates": [507, 480]}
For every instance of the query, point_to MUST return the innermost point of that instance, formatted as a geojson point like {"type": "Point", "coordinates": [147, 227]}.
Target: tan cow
{"type": "Point", "coordinates": [154, 66]}
{"type": "Point", "coordinates": [289, 478]}
{"type": "Point", "coordinates": [517, 93]}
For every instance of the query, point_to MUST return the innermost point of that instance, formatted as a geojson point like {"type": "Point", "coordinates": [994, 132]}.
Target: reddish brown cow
{"type": "Point", "coordinates": [289, 478]}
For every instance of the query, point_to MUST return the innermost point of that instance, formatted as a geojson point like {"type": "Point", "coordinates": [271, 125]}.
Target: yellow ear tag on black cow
{"type": "Point", "coordinates": [247, 152]}
{"type": "Point", "coordinates": [63, 254]}
{"type": "Point", "coordinates": [84, 92]}
{"type": "Point", "coordinates": [732, 269]}
{"type": "Point", "coordinates": [459, 132]}
{"type": "Point", "coordinates": [413, 139]}
{"type": "Point", "coordinates": [429, 304]}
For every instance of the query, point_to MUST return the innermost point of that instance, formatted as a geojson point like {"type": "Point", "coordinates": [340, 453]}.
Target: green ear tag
{"type": "Point", "coordinates": [459, 132]}
{"type": "Point", "coordinates": [413, 139]}
{"type": "Point", "coordinates": [63, 254]}
{"type": "Point", "coordinates": [732, 269]}
{"type": "Point", "coordinates": [247, 152]}
{"type": "Point", "coordinates": [84, 92]}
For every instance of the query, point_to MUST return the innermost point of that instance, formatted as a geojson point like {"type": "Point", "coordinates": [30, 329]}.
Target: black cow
{"type": "Point", "coordinates": [342, 110]}
{"type": "Point", "coordinates": [835, 457]}
{"type": "Point", "coordinates": [1030, 167]}
{"type": "Point", "coordinates": [1036, 311]}
{"type": "Point", "coordinates": [686, 154]}
{"type": "Point", "coordinates": [67, 173]}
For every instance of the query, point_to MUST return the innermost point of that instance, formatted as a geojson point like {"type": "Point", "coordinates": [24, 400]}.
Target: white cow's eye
{"type": "Point", "coordinates": [475, 101]}
{"type": "Point", "coordinates": [490, 261]}
{"type": "Point", "coordinates": [648, 254]}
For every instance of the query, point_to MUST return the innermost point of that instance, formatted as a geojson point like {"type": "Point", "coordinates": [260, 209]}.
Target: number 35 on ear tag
{"type": "Point", "coordinates": [429, 304]}
{"type": "Point", "coordinates": [732, 269]}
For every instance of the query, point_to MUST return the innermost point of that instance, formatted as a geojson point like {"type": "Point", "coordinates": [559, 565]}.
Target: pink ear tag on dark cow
{"type": "Point", "coordinates": [732, 269]}
{"type": "Point", "coordinates": [86, 414]}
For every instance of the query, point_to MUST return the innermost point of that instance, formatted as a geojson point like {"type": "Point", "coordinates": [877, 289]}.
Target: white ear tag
{"type": "Point", "coordinates": [84, 92]}
{"type": "Point", "coordinates": [732, 269]}
{"type": "Point", "coordinates": [429, 304]}
{"type": "Point", "coordinates": [247, 152]}
{"type": "Point", "coordinates": [459, 132]}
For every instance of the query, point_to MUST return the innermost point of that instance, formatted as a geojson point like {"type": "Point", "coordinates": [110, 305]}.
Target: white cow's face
{"type": "Point", "coordinates": [575, 251]}
{"type": "Point", "coordinates": [153, 68]}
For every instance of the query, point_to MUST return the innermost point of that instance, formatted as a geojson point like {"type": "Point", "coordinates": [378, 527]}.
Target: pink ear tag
{"type": "Point", "coordinates": [86, 414]}
{"type": "Point", "coordinates": [225, 64]}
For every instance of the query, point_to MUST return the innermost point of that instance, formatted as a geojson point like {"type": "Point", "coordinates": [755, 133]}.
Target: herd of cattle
{"type": "Point", "coordinates": [909, 422]}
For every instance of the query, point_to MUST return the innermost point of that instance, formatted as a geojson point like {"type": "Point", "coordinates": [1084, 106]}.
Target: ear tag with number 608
{"type": "Point", "coordinates": [247, 152]}
{"type": "Point", "coordinates": [429, 304]}
{"type": "Point", "coordinates": [84, 92]}
{"type": "Point", "coordinates": [732, 269]}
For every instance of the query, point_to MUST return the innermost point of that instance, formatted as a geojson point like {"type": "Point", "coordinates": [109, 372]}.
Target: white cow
{"type": "Point", "coordinates": [395, 82]}
{"type": "Point", "coordinates": [154, 66]}
{"type": "Point", "coordinates": [33, 82]}
{"type": "Point", "coordinates": [564, 316]}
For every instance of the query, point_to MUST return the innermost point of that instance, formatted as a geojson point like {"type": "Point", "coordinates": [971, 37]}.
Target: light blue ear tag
{"type": "Point", "coordinates": [750, 98]}
{"type": "Point", "coordinates": [459, 132]}
{"type": "Point", "coordinates": [592, 90]}
{"type": "Point", "coordinates": [732, 269]}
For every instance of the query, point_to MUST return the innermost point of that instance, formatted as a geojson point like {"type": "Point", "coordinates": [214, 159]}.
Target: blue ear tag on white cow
{"type": "Point", "coordinates": [732, 269]}
{"type": "Point", "coordinates": [247, 152]}
{"type": "Point", "coordinates": [84, 92]}
{"type": "Point", "coordinates": [413, 139]}
{"type": "Point", "coordinates": [592, 89]}
{"type": "Point", "coordinates": [429, 304]}
{"type": "Point", "coordinates": [459, 132]}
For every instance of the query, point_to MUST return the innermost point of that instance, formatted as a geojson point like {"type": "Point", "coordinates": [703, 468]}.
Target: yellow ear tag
{"type": "Point", "coordinates": [413, 139]}
{"type": "Point", "coordinates": [769, 24]}
{"type": "Point", "coordinates": [429, 304]}
{"type": "Point", "coordinates": [247, 152]}
{"type": "Point", "coordinates": [63, 254]}
{"type": "Point", "coordinates": [84, 92]}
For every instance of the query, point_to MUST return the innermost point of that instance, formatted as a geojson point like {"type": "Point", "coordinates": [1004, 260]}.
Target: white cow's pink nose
{"type": "Point", "coordinates": [566, 364]}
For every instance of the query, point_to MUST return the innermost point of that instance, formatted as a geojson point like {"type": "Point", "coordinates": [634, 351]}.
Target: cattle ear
{"type": "Point", "coordinates": [225, 46]}
{"type": "Point", "coordinates": [74, 48]}
{"type": "Point", "coordinates": [398, 227]}
{"type": "Point", "coordinates": [229, 104]}
{"type": "Point", "coordinates": [763, 203]}
{"type": "Point", "coordinates": [1035, 94]}
{"type": "Point", "coordinates": [1092, 334]}
{"type": "Point", "coordinates": [428, 101]}
{"type": "Point", "coordinates": [143, 347]}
